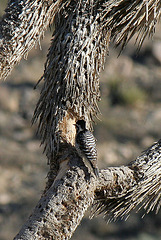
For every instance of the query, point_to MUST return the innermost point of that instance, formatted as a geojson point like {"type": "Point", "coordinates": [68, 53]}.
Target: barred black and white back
{"type": "Point", "coordinates": [85, 144]}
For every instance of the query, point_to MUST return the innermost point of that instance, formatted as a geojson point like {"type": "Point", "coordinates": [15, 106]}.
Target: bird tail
{"type": "Point", "coordinates": [96, 172]}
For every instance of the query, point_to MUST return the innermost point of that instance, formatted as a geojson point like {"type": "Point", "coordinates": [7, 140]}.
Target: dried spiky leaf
{"type": "Point", "coordinates": [125, 18]}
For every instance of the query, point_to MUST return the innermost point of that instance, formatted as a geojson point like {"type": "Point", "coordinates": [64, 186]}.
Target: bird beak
{"type": "Point", "coordinates": [75, 125]}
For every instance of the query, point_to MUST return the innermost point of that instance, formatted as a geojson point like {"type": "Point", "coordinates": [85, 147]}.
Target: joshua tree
{"type": "Point", "coordinates": [70, 92]}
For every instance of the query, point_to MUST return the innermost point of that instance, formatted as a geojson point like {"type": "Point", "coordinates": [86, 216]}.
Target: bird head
{"type": "Point", "coordinates": [80, 125]}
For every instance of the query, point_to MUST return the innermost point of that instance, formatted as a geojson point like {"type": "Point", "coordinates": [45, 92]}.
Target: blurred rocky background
{"type": "Point", "coordinates": [130, 122]}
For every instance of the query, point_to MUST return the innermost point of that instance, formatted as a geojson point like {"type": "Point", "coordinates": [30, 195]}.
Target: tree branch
{"type": "Point", "coordinates": [139, 186]}
{"type": "Point", "coordinates": [22, 27]}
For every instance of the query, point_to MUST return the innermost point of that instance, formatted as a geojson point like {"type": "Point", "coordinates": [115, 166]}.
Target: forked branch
{"type": "Point", "coordinates": [118, 191]}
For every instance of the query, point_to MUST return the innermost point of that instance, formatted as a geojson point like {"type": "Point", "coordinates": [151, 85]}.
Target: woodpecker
{"type": "Point", "coordinates": [85, 144]}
